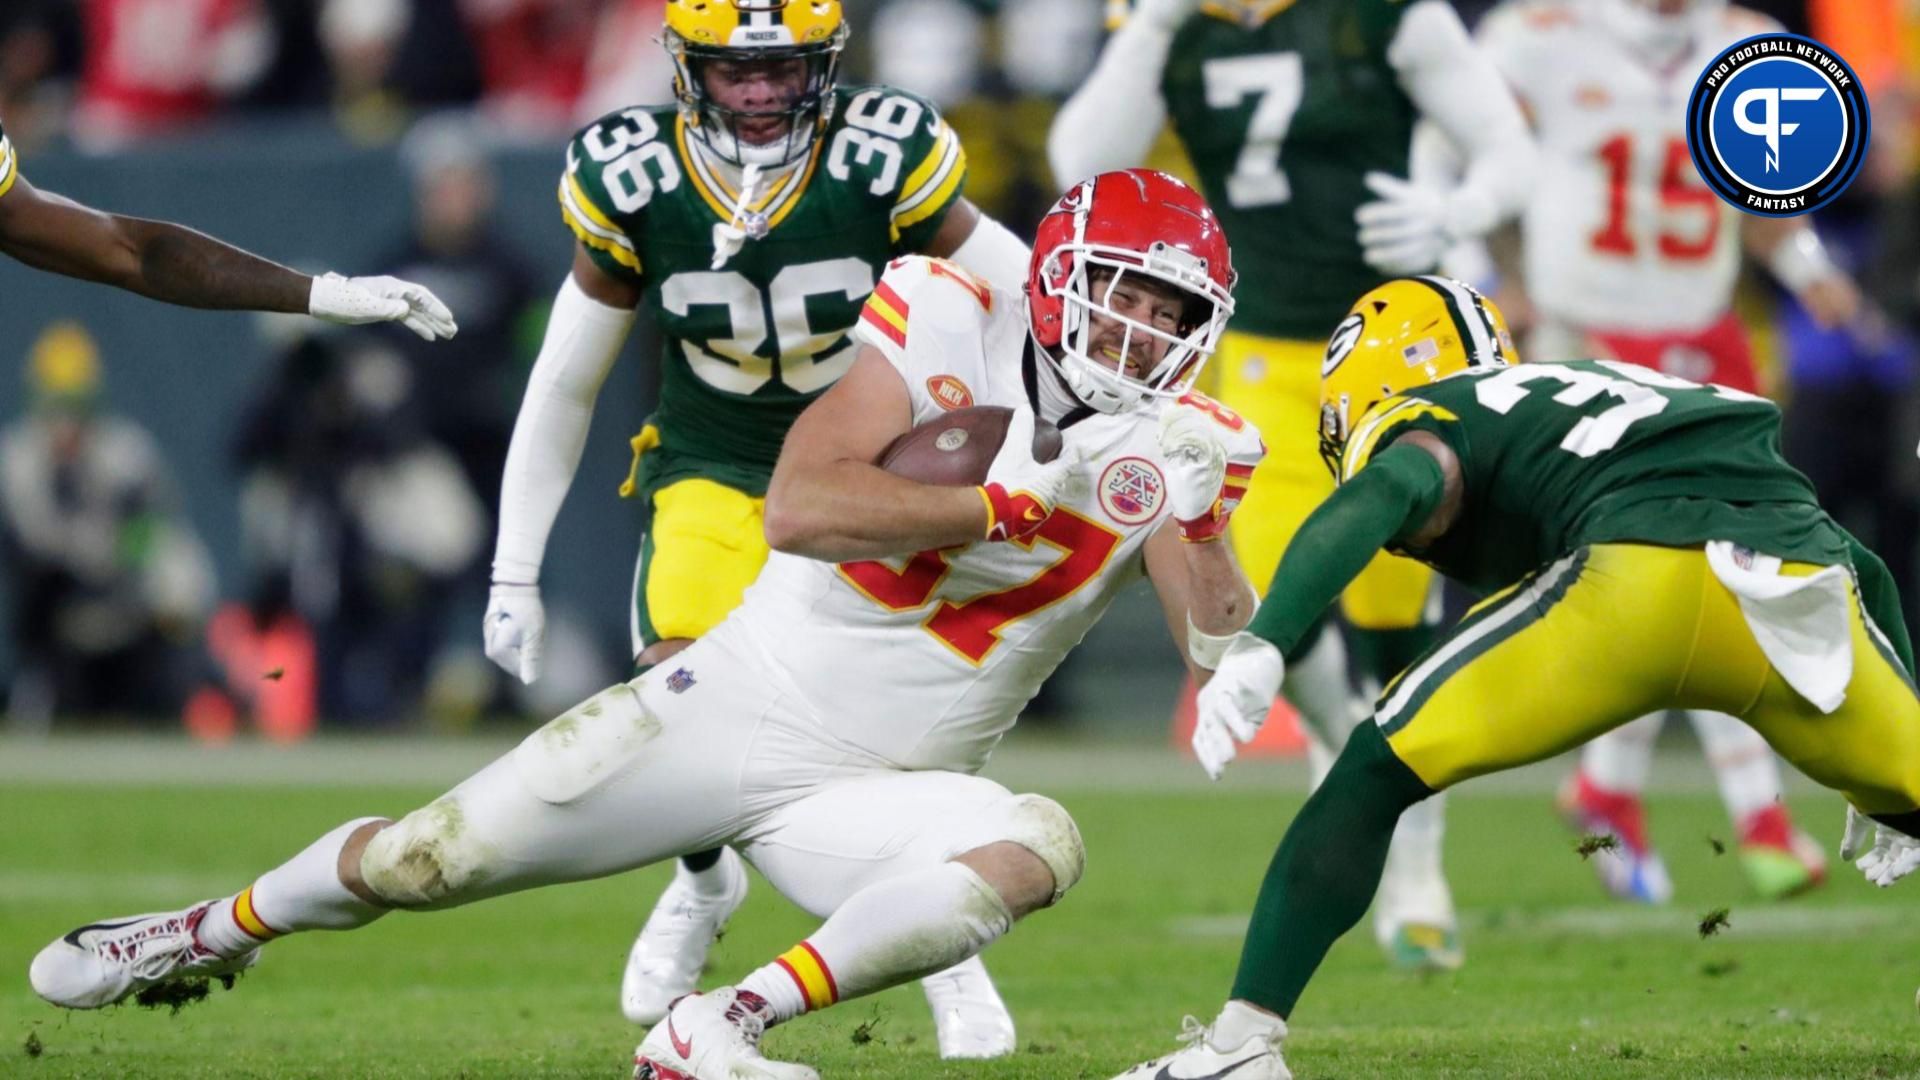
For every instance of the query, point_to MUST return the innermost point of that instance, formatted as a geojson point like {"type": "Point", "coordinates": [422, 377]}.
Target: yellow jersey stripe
{"type": "Point", "coordinates": [8, 166]}
{"type": "Point", "coordinates": [923, 173]}
{"type": "Point", "coordinates": [582, 202]}
{"type": "Point", "coordinates": [719, 197]}
{"type": "Point", "coordinates": [594, 236]}
{"type": "Point", "coordinates": [1360, 448]}
{"type": "Point", "coordinates": [936, 198]}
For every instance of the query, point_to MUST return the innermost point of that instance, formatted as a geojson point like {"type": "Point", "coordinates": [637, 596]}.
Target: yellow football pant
{"type": "Point", "coordinates": [1616, 631]}
{"type": "Point", "coordinates": [1276, 384]}
{"type": "Point", "coordinates": [706, 545]}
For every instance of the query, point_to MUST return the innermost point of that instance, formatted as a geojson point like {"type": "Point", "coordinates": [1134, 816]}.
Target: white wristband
{"type": "Point", "coordinates": [1206, 649]}
{"type": "Point", "coordinates": [1800, 259]}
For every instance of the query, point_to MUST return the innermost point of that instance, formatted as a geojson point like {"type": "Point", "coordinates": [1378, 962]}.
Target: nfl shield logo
{"type": "Point", "coordinates": [680, 680]}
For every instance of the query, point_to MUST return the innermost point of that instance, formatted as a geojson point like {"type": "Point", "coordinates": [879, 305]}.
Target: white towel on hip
{"type": "Point", "coordinates": [1800, 623]}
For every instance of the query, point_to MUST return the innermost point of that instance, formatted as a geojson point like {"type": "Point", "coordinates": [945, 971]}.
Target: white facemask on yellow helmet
{"type": "Point", "coordinates": [1407, 333]}
{"type": "Point", "coordinates": [701, 32]}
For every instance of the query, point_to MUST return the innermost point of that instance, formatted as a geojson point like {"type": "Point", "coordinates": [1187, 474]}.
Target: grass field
{"type": "Point", "coordinates": [1558, 982]}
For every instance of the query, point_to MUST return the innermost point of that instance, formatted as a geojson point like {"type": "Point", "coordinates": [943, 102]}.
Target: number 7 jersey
{"type": "Point", "coordinates": [925, 660]}
{"type": "Point", "coordinates": [748, 344]}
{"type": "Point", "coordinates": [1554, 457]}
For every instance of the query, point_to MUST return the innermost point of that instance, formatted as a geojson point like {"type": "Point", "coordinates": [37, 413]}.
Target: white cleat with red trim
{"type": "Point", "coordinates": [104, 963]}
{"type": "Point", "coordinates": [713, 1036]}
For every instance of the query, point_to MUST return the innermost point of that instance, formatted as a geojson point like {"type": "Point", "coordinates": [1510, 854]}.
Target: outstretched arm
{"type": "Point", "coordinates": [1113, 119]}
{"type": "Point", "coordinates": [1202, 592]}
{"type": "Point", "coordinates": [153, 258]}
{"type": "Point", "coordinates": [178, 265]}
{"type": "Point", "coordinates": [1410, 492]}
{"type": "Point", "coordinates": [828, 500]}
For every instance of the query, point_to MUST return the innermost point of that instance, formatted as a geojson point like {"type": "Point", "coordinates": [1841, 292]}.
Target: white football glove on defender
{"type": "Point", "coordinates": [1410, 226]}
{"type": "Point", "coordinates": [359, 300]}
{"type": "Point", "coordinates": [1892, 855]}
{"type": "Point", "coordinates": [516, 629]}
{"type": "Point", "coordinates": [1234, 703]}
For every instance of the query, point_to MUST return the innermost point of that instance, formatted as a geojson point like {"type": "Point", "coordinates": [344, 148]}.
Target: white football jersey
{"type": "Point", "coordinates": [1621, 233]}
{"type": "Point", "coordinates": [926, 660]}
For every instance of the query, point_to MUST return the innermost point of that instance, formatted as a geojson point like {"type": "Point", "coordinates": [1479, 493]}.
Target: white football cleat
{"type": "Point", "coordinates": [104, 963]}
{"type": "Point", "coordinates": [713, 1037]}
{"type": "Point", "coordinates": [665, 962]}
{"type": "Point", "coordinates": [969, 1018]}
{"type": "Point", "coordinates": [1252, 1053]}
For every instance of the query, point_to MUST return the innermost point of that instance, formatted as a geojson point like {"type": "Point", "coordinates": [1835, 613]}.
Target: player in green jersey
{"type": "Point", "coordinates": [751, 217]}
{"type": "Point", "coordinates": [1644, 546]}
{"type": "Point", "coordinates": [1298, 117]}
{"type": "Point", "coordinates": [177, 265]}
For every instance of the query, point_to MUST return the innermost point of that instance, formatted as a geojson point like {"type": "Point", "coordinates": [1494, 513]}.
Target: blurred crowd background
{"type": "Point", "coordinates": [244, 524]}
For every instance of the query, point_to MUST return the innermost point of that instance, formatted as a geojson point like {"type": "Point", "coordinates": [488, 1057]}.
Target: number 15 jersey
{"type": "Point", "coordinates": [1621, 233]}
{"type": "Point", "coordinates": [926, 660]}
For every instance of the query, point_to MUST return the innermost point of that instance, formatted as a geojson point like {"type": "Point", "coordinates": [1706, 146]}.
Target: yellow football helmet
{"type": "Point", "coordinates": [1409, 332]}
{"type": "Point", "coordinates": [701, 32]}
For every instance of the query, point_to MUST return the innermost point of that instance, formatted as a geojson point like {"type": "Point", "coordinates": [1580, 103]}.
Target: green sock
{"type": "Point", "coordinates": [1326, 871]}
{"type": "Point", "coordinates": [1379, 655]}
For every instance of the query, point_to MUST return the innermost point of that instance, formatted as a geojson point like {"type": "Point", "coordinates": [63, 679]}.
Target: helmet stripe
{"type": "Point", "coordinates": [1469, 319]}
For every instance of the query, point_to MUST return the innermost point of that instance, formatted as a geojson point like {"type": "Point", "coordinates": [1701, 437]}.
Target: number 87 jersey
{"type": "Point", "coordinates": [750, 338]}
{"type": "Point", "coordinates": [940, 650]}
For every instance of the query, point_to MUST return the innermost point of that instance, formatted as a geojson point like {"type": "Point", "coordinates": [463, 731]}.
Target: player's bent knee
{"type": "Point", "coordinates": [1044, 828]}
{"type": "Point", "coordinates": [426, 858]}
{"type": "Point", "coordinates": [586, 746]}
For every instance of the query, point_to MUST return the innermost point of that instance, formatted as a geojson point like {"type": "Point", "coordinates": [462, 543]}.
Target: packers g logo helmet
{"type": "Point", "coordinates": [810, 32]}
{"type": "Point", "coordinates": [1409, 332]}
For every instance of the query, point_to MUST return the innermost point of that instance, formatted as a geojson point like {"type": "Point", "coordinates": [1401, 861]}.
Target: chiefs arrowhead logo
{"type": "Point", "coordinates": [949, 392]}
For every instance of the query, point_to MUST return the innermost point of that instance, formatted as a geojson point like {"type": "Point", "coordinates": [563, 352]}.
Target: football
{"type": "Point", "coordinates": [957, 448]}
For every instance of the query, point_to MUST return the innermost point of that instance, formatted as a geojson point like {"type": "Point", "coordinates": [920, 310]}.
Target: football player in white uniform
{"type": "Point", "coordinates": [1629, 256]}
{"type": "Point", "coordinates": [831, 727]}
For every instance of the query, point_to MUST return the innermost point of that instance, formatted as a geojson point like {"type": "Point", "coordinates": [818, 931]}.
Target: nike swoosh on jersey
{"type": "Point", "coordinates": [1166, 1071]}
{"type": "Point", "coordinates": [683, 1047]}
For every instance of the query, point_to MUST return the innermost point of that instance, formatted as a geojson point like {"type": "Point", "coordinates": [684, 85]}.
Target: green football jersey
{"type": "Point", "coordinates": [749, 343]}
{"type": "Point", "coordinates": [1283, 109]}
{"type": "Point", "coordinates": [1558, 456]}
{"type": "Point", "coordinates": [9, 165]}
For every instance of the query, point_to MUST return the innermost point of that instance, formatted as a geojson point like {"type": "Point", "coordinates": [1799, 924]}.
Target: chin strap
{"type": "Point", "coordinates": [746, 224]}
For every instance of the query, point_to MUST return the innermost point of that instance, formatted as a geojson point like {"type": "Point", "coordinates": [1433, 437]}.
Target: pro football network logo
{"type": "Point", "coordinates": [1778, 125]}
{"type": "Point", "coordinates": [1131, 491]}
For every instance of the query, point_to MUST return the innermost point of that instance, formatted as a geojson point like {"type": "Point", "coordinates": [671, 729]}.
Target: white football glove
{"type": "Point", "coordinates": [1410, 226]}
{"type": "Point", "coordinates": [356, 301]}
{"type": "Point", "coordinates": [1167, 14]}
{"type": "Point", "coordinates": [516, 629]}
{"type": "Point", "coordinates": [1891, 856]}
{"type": "Point", "coordinates": [1196, 462]}
{"type": "Point", "coordinates": [1234, 703]}
{"type": "Point", "coordinates": [1210, 454]}
{"type": "Point", "coordinates": [1021, 492]}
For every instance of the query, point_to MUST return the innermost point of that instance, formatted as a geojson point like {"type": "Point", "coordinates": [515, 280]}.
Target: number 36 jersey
{"type": "Point", "coordinates": [1555, 457]}
{"type": "Point", "coordinates": [925, 660]}
{"type": "Point", "coordinates": [1621, 234]}
{"type": "Point", "coordinates": [747, 345]}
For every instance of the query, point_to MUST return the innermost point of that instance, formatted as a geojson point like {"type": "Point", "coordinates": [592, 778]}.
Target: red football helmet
{"type": "Point", "coordinates": [1137, 221]}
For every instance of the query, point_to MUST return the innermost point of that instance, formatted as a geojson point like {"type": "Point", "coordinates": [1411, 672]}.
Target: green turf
{"type": "Point", "coordinates": [1558, 982]}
